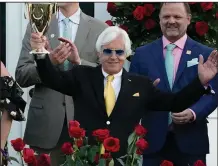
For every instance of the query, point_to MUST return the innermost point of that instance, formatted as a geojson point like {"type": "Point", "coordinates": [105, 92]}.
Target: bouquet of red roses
{"type": "Point", "coordinates": [79, 153]}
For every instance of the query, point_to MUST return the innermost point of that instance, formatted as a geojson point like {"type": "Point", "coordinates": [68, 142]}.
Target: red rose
{"type": "Point", "coordinates": [139, 13]}
{"type": "Point", "coordinates": [76, 132]}
{"type": "Point", "coordinates": [112, 144]}
{"type": "Point", "coordinates": [191, 3]}
{"type": "Point", "coordinates": [74, 123]}
{"type": "Point", "coordinates": [67, 148]}
{"type": "Point", "coordinates": [139, 152]}
{"type": "Point", "coordinates": [206, 6]}
{"type": "Point", "coordinates": [149, 9]}
{"type": "Point", "coordinates": [124, 27]}
{"type": "Point", "coordinates": [44, 160]}
{"type": "Point", "coordinates": [216, 15]}
{"type": "Point", "coordinates": [18, 144]}
{"type": "Point", "coordinates": [101, 134]}
{"type": "Point", "coordinates": [29, 157]}
{"type": "Point", "coordinates": [140, 130]}
{"type": "Point", "coordinates": [166, 163]}
{"type": "Point", "coordinates": [106, 156]}
{"type": "Point", "coordinates": [149, 24]}
{"type": "Point", "coordinates": [79, 143]}
{"type": "Point", "coordinates": [201, 28]}
{"type": "Point", "coordinates": [111, 7]}
{"type": "Point", "coordinates": [199, 163]}
{"type": "Point", "coordinates": [142, 144]}
{"type": "Point", "coordinates": [109, 22]}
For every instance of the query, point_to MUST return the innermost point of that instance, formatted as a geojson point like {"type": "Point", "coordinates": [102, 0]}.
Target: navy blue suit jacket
{"type": "Point", "coordinates": [192, 138]}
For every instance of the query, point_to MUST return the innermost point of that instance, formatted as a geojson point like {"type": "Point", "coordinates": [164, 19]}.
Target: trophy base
{"type": "Point", "coordinates": [40, 54]}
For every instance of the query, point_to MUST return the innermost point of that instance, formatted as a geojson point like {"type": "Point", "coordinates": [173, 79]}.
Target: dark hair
{"type": "Point", "coordinates": [186, 5]}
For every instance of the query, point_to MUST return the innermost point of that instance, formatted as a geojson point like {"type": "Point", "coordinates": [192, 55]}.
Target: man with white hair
{"type": "Point", "coordinates": [107, 96]}
{"type": "Point", "coordinates": [46, 135]}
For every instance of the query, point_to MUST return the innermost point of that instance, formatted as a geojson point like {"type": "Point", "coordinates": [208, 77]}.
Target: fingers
{"type": "Point", "coordinates": [64, 40]}
{"type": "Point", "coordinates": [37, 41]}
{"type": "Point", "coordinates": [61, 53]}
{"type": "Point", "coordinates": [156, 82]}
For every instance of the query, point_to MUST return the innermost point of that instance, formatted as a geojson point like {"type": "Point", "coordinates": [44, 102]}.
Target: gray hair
{"type": "Point", "coordinates": [110, 34]}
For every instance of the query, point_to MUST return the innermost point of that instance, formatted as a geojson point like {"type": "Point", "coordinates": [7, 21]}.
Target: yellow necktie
{"type": "Point", "coordinates": [109, 95]}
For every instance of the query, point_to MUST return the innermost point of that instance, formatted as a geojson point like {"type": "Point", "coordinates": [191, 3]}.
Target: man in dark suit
{"type": "Point", "coordinates": [107, 96]}
{"type": "Point", "coordinates": [176, 134]}
{"type": "Point", "coordinates": [46, 135]}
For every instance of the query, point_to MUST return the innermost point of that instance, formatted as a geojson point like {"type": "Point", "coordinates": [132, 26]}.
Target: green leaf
{"type": "Point", "coordinates": [101, 162]}
{"type": "Point", "coordinates": [92, 153]}
{"type": "Point", "coordinates": [111, 163]}
{"type": "Point", "coordinates": [13, 159]}
{"type": "Point", "coordinates": [70, 161]}
{"type": "Point", "coordinates": [121, 161]}
{"type": "Point", "coordinates": [131, 138]}
{"type": "Point", "coordinates": [83, 152]}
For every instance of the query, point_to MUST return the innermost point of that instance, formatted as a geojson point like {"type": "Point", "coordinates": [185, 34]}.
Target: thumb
{"type": "Point", "coordinates": [201, 59]}
{"type": "Point", "coordinates": [156, 82]}
{"type": "Point", "coordinates": [47, 46]}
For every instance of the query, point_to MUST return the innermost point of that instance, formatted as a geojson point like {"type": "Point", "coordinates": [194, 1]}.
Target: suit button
{"type": "Point", "coordinates": [64, 104]}
{"type": "Point", "coordinates": [108, 122]}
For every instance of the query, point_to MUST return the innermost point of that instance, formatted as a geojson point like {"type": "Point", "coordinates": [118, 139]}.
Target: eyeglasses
{"type": "Point", "coordinates": [109, 52]}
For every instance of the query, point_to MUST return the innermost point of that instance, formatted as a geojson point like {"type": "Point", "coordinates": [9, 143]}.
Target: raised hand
{"type": "Point", "coordinates": [74, 56]}
{"type": "Point", "coordinates": [208, 70]}
{"type": "Point", "coordinates": [37, 41]}
{"type": "Point", "coordinates": [60, 53]}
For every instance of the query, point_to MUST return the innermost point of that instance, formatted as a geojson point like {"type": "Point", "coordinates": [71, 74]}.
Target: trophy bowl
{"type": "Point", "coordinates": [39, 16]}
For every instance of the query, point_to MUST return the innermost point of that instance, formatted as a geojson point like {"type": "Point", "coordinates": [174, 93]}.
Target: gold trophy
{"type": "Point", "coordinates": [39, 15]}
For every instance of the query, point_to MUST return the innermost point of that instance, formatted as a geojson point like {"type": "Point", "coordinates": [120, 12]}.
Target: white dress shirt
{"type": "Point", "coordinates": [116, 83]}
{"type": "Point", "coordinates": [74, 23]}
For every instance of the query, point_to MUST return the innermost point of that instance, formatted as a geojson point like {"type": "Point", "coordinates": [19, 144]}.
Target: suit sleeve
{"type": "Point", "coordinates": [206, 104]}
{"type": "Point", "coordinates": [162, 101]}
{"type": "Point", "coordinates": [26, 74]}
{"type": "Point", "coordinates": [61, 81]}
{"type": "Point", "coordinates": [134, 66]}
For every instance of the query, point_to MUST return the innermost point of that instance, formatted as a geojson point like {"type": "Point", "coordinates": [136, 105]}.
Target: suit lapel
{"type": "Point", "coordinates": [97, 80]}
{"type": "Point", "coordinates": [184, 58]}
{"type": "Point", "coordinates": [82, 32]}
{"type": "Point", "coordinates": [53, 33]}
{"type": "Point", "coordinates": [157, 51]}
{"type": "Point", "coordinates": [123, 92]}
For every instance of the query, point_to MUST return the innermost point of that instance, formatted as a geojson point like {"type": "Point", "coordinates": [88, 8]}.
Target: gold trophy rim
{"type": "Point", "coordinates": [52, 10]}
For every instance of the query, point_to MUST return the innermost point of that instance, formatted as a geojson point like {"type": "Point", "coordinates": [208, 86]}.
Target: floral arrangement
{"type": "Point", "coordinates": [141, 21]}
{"type": "Point", "coordinates": [79, 153]}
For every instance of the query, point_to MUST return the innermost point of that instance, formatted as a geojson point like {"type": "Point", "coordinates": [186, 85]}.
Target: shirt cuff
{"type": "Point", "coordinates": [209, 89]}
{"type": "Point", "coordinates": [194, 115]}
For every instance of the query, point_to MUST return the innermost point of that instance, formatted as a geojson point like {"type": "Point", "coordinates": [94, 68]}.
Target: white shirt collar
{"type": "Point", "coordinates": [115, 75]}
{"type": "Point", "coordinates": [75, 18]}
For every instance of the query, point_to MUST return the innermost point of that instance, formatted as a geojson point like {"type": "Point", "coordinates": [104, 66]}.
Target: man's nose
{"type": "Point", "coordinates": [113, 55]}
{"type": "Point", "coordinates": [171, 20]}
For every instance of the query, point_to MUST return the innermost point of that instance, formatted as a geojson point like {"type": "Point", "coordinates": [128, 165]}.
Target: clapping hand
{"type": "Point", "coordinates": [74, 56]}
{"type": "Point", "coordinates": [60, 53]}
{"type": "Point", "coordinates": [208, 70]}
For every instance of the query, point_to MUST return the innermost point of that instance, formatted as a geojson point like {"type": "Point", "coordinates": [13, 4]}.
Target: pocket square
{"type": "Point", "coordinates": [192, 62]}
{"type": "Point", "coordinates": [136, 94]}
